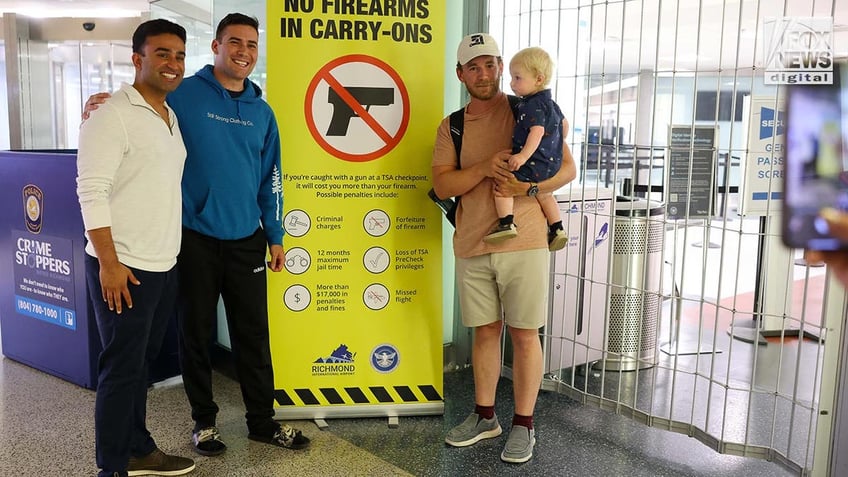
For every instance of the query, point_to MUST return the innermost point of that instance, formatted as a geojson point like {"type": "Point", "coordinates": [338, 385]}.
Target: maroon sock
{"type": "Point", "coordinates": [526, 421]}
{"type": "Point", "coordinates": [486, 412]}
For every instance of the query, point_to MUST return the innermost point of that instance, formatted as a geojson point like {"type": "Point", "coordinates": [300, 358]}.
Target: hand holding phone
{"type": "Point", "coordinates": [836, 260]}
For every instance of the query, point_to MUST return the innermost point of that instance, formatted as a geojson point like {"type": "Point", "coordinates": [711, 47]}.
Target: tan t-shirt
{"type": "Point", "coordinates": [483, 136]}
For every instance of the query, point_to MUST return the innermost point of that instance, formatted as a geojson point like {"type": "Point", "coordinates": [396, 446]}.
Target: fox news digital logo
{"type": "Point", "coordinates": [798, 50]}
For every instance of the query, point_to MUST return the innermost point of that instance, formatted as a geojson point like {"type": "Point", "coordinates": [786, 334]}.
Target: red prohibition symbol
{"type": "Point", "coordinates": [357, 108]}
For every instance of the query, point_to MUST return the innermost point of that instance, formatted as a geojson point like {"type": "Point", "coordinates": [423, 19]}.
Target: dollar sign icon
{"type": "Point", "coordinates": [297, 298]}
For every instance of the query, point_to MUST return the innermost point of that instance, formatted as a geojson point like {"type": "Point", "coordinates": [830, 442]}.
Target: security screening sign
{"type": "Point", "coordinates": [798, 50]}
{"type": "Point", "coordinates": [356, 314]}
{"type": "Point", "coordinates": [761, 187]}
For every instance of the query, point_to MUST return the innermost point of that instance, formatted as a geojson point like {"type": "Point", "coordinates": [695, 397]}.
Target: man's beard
{"type": "Point", "coordinates": [483, 93]}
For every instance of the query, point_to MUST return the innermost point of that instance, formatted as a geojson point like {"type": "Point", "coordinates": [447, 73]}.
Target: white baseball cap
{"type": "Point", "coordinates": [474, 45]}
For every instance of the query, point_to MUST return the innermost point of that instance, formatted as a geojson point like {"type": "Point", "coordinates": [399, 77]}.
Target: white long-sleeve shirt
{"type": "Point", "coordinates": [129, 168]}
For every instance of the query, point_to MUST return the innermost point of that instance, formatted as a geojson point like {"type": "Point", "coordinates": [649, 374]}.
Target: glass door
{"type": "Point", "coordinates": [79, 70]}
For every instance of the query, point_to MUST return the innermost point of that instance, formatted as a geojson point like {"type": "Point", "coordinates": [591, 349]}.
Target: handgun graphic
{"type": "Point", "coordinates": [366, 96]}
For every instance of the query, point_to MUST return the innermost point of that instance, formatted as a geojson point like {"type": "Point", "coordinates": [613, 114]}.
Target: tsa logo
{"type": "Point", "coordinates": [384, 358]}
{"type": "Point", "coordinates": [33, 207]}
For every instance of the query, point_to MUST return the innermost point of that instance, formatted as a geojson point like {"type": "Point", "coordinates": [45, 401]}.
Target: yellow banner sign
{"type": "Point", "coordinates": [356, 316]}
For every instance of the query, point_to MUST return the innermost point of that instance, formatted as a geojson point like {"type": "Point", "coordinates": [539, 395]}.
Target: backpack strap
{"type": "Point", "coordinates": [457, 120]}
{"type": "Point", "coordinates": [513, 105]}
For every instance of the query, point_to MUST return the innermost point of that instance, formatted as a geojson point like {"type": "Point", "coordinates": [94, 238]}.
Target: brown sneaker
{"type": "Point", "coordinates": [159, 463]}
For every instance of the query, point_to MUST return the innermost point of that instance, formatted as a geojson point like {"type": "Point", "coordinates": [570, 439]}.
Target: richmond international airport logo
{"type": "Point", "coordinates": [798, 50]}
{"type": "Point", "coordinates": [339, 362]}
{"type": "Point", "coordinates": [33, 207]}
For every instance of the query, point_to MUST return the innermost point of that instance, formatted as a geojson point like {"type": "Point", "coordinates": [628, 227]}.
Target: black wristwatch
{"type": "Point", "coordinates": [533, 190]}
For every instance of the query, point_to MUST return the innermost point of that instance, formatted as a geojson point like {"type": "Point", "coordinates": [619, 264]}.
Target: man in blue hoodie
{"type": "Point", "coordinates": [232, 198]}
{"type": "Point", "coordinates": [232, 183]}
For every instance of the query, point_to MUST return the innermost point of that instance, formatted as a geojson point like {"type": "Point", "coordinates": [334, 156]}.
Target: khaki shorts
{"type": "Point", "coordinates": [508, 285]}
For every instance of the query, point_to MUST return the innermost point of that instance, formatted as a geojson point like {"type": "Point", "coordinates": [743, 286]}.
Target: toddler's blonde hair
{"type": "Point", "coordinates": [536, 61]}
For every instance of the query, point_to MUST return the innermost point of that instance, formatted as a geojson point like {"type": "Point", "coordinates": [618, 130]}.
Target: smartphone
{"type": "Point", "coordinates": [816, 161]}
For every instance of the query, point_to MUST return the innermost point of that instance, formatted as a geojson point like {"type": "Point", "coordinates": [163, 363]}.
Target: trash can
{"type": "Point", "coordinates": [635, 295]}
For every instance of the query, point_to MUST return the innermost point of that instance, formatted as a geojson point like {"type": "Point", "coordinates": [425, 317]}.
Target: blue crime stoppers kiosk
{"type": "Point", "coordinates": [45, 318]}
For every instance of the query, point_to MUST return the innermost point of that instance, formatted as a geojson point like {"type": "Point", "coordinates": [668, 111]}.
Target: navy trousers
{"type": "Point", "coordinates": [130, 342]}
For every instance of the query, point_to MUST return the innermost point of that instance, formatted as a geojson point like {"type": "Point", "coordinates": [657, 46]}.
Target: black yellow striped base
{"type": "Point", "coordinates": [425, 393]}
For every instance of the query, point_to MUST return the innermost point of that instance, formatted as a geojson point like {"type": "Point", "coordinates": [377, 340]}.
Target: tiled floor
{"type": "Point", "coordinates": [738, 392]}
{"type": "Point", "coordinates": [46, 429]}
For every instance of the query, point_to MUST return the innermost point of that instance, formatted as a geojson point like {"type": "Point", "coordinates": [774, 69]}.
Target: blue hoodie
{"type": "Point", "coordinates": [232, 180]}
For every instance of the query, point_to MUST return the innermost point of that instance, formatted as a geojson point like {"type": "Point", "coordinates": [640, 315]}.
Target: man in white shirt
{"type": "Point", "coordinates": [130, 164]}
